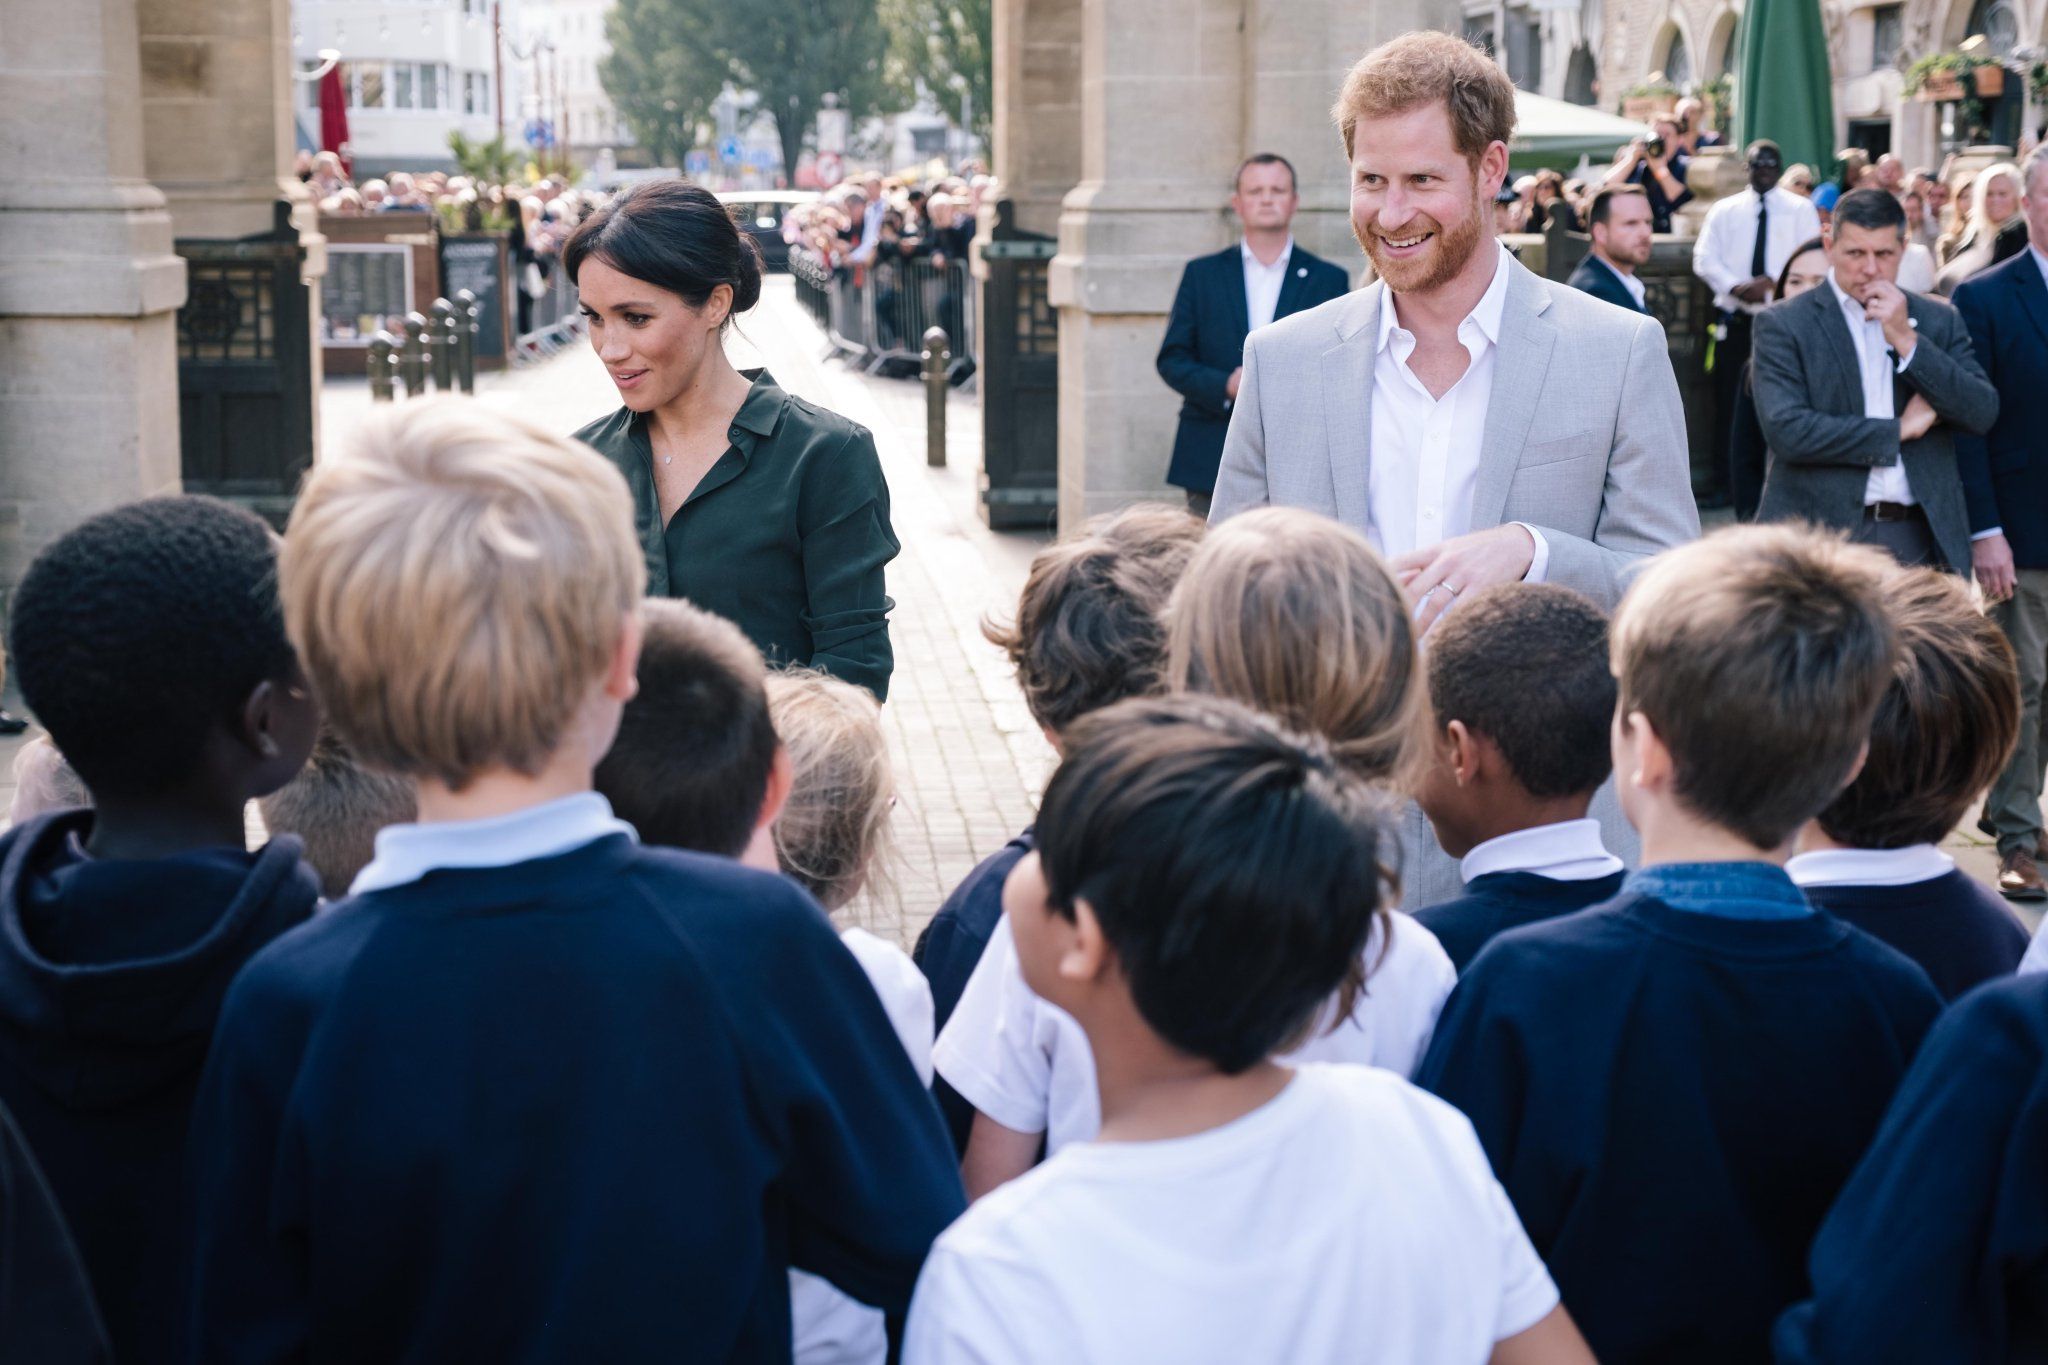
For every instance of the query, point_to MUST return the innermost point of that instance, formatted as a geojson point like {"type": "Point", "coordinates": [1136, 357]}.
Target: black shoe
{"type": "Point", "coordinates": [11, 724]}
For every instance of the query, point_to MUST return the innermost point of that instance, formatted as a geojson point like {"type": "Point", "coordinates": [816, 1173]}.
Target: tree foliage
{"type": "Point", "coordinates": [945, 47]}
{"type": "Point", "coordinates": [670, 59]}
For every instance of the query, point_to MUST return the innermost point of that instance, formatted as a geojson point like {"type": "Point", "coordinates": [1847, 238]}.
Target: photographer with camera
{"type": "Point", "coordinates": [1657, 163]}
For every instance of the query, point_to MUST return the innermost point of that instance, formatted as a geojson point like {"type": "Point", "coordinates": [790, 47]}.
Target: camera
{"type": "Point", "coordinates": [1654, 147]}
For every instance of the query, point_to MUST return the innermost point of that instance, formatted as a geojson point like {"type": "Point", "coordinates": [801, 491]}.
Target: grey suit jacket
{"type": "Point", "coordinates": [1809, 398]}
{"type": "Point", "coordinates": [1584, 439]}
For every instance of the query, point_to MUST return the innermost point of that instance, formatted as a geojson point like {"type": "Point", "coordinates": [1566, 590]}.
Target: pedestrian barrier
{"type": "Point", "coordinates": [440, 349]}
{"type": "Point", "coordinates": [878, 317]}
{"type": "Point", "coordinates": [554, 319]}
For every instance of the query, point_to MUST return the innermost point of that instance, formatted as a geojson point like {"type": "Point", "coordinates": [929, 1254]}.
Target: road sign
{"type": "Point", "coordinates": [729, 150]}
{"type": "Point", "coordinates": [697, 163]}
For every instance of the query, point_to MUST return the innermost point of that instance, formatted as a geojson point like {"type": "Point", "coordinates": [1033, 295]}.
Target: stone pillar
{"type": "Point", "coordinates": [89, 286]}
{"type": "Point", "coordinates": [1174, 94]}
{"type": "Point", "coordinates": [1037, 92]}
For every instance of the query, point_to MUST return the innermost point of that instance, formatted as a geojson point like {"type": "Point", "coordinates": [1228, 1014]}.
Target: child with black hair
{"type": "Point", "coordinates": [126, 922]}
{"type": "Point", "coordinates": [1205, 882]}
{"type": "Point", "coordinates": [1090, 630]}
{"type": "Point", "coordinates": [1522, 698]}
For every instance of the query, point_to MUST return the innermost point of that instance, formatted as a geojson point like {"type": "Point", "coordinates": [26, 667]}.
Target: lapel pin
{"type": "Point", "coordinates": [1301, 272]}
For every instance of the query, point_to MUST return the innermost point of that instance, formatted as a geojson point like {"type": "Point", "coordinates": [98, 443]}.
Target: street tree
{"type": "Point", "coordinates": [661, 86]}
{"type": "Point", "coordinates": [945, 47]}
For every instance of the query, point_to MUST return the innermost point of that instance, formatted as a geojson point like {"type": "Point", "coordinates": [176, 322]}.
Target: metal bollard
{"type": "Point", "coordinates": [382, 344]}
{"type": "Point", "coordinates": [468, 323]}
{"type": "Point", "coordinates": [936, 358]}
{"type": "Point", "coordinates": [412, 357]}
{"type": "Point", "coordinates": [441, 345]}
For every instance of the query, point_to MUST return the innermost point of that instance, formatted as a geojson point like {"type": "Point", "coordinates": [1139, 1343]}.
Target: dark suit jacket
{"type": "Point", "coordinates": [1809, 397]}
{"type": "Point", "coordinates": [2005, 471]}
{"type": "Point", "coordinates": [1205, 342]}
{"type": "Point", "coordinates": [1597, 278]}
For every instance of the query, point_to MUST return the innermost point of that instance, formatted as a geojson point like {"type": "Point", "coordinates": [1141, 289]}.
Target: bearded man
{"type": "Point", "coordinates": [1477, 423]}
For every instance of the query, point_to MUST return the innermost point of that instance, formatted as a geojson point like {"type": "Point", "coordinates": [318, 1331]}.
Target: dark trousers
{"type": "Point", "coordinates": [2013, 805]}
{"type": "Point", "coordinates": [1909, 540]}
{"type": "Point", "coordinates": [1731, 364]}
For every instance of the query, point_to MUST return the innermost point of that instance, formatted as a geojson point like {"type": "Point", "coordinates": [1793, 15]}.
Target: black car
{"type": "Point", "coordinates": [760, 214]}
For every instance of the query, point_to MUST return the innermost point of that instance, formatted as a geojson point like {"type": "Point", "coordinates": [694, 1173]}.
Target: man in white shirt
{"type": "Point", "coordinates": [871, 221]}
{"type": "Point", "coordinates": [1741, 250]}
{"type": "Point", "coordinates": [1223, 297]}
{"type": "Point", "coordinates": [1860, 389]}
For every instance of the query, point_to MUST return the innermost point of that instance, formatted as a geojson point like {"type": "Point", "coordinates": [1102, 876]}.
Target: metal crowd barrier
{"type": "Point", "coordinates": [440, 349]}
{"type": "Point", "coordinates": [880, 315]}
{"type": "Point", "coordinates": [555, 320]}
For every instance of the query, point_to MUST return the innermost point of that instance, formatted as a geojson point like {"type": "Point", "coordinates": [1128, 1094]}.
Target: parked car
{"type": "Point", "coordinates": [760, 214]}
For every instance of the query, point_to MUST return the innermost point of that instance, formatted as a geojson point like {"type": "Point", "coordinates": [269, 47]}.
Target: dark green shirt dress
{"type": "Point", "coordinates": [785, 536]}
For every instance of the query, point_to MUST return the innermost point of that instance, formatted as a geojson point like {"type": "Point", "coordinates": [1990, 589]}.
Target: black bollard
{"type": "Point", "coordinates": [412, 357]}
{"type": "Point", "coordinates": [468, 324]}
{"type": "Point", "coordinates": [441, 345]}
{"type": "Point", "coordinates": [382, 347]}
{"type": "Point", "coordinates": [936, 357]}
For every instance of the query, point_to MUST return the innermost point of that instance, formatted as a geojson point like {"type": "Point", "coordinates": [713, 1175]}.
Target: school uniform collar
{"type": "Point", "coordinates": [1568, 851]}
{"type": "Point", "coordinates": [1870, 866]}
{"type": "Point", "coordinates": [406, 853]}
{"type": "Point", "coordinates": [1741, 890]}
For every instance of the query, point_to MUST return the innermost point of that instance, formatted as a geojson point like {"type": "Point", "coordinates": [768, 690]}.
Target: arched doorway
{"type": "Point", "coordinates": [1581, 76]}
{"type": "Point", "coordinates": [1677, 62]}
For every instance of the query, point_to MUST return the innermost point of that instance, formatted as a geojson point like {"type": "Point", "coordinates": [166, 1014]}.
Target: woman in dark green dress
{"type": "Point", "coordinates": [753, 504]}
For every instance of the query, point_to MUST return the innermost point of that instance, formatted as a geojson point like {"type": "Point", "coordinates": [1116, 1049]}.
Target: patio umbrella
{"type": "Point", "coordinates": [1552, 132]}
{"type": "Point", "coordinates": [1785, 90]}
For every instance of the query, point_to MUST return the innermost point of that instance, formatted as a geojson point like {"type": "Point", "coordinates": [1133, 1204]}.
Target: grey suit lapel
{"type": "Point", "coordinates": [1347, 406]}
{"type": "Point", "coordinates": [1828, 317]}
{"type": "Point", "coordinates": [1521, 360]}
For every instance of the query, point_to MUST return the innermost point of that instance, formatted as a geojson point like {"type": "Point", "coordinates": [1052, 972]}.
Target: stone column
{"type": "Point", "coordinates": [1174, 94]}
{"type": "Point", "coordinates": [1037, 93]}
{"type": "Point", "coordinates": [89, 286]}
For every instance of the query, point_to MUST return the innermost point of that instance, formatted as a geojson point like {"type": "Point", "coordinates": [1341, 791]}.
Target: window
{"type": "Point", "coordinates": [366, 82]}
{"type": "Point", "coordinates": [430, 85]}
{"type": "Point", "coordinates": [1887, 34]}
{"type": "Point", "coordinates": [402, 82]}
{"type": "Point", "coordinates": [309, 90]}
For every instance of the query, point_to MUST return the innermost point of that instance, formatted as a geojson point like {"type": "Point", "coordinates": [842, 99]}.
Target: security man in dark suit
{"type": "Point", "coordinates": [1620, 223]}
{"type": "Point", "coordinates": [2005, 484]}
{"type": "Point", "coordinates": [1221, 299]}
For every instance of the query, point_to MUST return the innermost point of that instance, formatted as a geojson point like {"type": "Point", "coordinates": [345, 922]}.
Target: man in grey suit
{"type": "Point", "coordinates": [1477, 423]}
{"type": "Point", "coordinates": [1860, 388]}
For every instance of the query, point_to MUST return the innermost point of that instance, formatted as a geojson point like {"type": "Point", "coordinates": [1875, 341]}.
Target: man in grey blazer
{"type": "Point", "coordinates": [1478, 424]}
{"type": "Point", "coordinates": [1860, 388]}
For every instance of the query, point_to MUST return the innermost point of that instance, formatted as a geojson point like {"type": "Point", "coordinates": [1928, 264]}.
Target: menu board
{"type": "Point", "coordinates": [367, 286]}
{"type": "Point", "coordinates": [477, 263]}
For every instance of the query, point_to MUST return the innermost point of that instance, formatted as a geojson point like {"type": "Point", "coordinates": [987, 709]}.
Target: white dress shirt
{"type": "Point", "coordinates": [1722, 253]}
{"type": "Point", "coordinates": [1887, 483]}
{"type": "Point", "coordinates": [2041, 261]}
{"type": "Point", "coordinates": [1425, 451]}
{"type": "Point", "coordinates": [1869, 866]}
{"type": "Point", "coordinates": [1636, 288]}
{"type": "Point", "coordinates": [1262, 283]}
{"type": "Point", "coordinates": [1916, 269]}
{"type": "Point", "coordinates": [1568, 851]}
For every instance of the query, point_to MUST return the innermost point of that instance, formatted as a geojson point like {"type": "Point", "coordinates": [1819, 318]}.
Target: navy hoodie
{"type": "Point", "coordinates": [111, 976]}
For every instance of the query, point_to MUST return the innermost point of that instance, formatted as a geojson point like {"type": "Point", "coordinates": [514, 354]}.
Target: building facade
{"type": "Point", "coordinates": [594, 132]}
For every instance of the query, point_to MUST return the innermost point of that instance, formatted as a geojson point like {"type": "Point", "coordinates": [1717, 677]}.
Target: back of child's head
{"type": "Point", "coordinates": [1945, 727]}
{"type": "Point", "coordinates": [695, 748]}
{"type": "Point", "coordinates": [1290, 612]}
{"type": "Point", "coordinates": [1525, 665]}
{"type": "Point", "coordinates": [832, 837]}
{"type": "Point", "coordinates": [141, 630]}
{"type": "Point", "coordinates": [458, 583]}
{"type": "Point", "coordinates": [1090, 626]}
{"type": "Point", "coordinates": [1234, 868]}
{"type": "Point", "coordinates": [44, 780]}
{"type": "Point", "coordinates": [336, 806]}
{"type": "Point", "coordinates": [1758, 656]}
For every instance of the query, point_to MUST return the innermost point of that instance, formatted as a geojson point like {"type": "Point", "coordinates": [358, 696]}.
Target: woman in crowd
{"type": "Point", "coordinates": [758, 506]}
{"type": "Point", "coordinates": [1994, 202]}
{"type": "Point", "coordinates": [1748, 456]}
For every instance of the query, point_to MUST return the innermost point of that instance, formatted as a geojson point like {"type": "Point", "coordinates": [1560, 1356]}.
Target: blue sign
{"type": "Point", "coordinates": [729, 150]}
{"type": "Point", "coordinates": [540, 133]}
{"type": "Point", "coordinates": [764, 158]}
{"type": "Point", "coordinates": [697, 163]}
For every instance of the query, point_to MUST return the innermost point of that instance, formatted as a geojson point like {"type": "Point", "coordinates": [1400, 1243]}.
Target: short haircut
{"type": "Point", "coordinates": [140, 630]}
{"type": "Point", "coordinates": [1287, 611]}
{"type": "Point", "coordinates": [832, 837]}
{"type": "Point", "coordinates": [1762, 144]}
{"type": "Point", "coordinates": [1264, 159]}
{"type": "Point", "coordinates": [456, 583]}
{"type": "Point", "coordinates": [1758, 654]}
{"type": "Point", "coordinates": [1426, 67]}
{"type": "Point", "coordinates": [1234, 868]}
{"type": "Point", "coordinates": [1525, 664]}
{"type": "Point", "coordinates": [336, 806]}
{"type": "Point", "coordinates": [1603, 201]}
{"type": "Point", "coordinates": [695, 747]}
{"type": "Point", "coordinates": [1946, 725]}
{"type": "Point", "coordinates": [1090, 627]}
{"type": "Point", "coordinates": [1871, 210]}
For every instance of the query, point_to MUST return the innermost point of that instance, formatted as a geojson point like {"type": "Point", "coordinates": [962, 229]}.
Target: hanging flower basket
{"type": "Point", "coordinates": [1947, 77]}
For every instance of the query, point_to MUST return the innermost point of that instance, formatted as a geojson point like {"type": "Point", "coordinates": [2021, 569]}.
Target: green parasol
{"type": "Point", "coordinates": [1784, 90]}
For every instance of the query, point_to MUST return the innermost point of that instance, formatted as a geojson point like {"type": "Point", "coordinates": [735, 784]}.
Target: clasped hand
{"type": "Point", "coordinates": [1436, 576]}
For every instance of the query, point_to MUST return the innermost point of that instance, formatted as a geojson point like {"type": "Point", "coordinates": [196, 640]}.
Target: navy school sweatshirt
{"type": "Point", "coordinates": [1499, 901]}
{"type": "Point", "coordinates": [1672, 1100]}
{"type": "Point", "coordinates": [1954, 926]}
{"type": "Point", "coordinates": [47, 1313]}
{"type": "Point", "coordinates": [1937, 1249]}
{"type": "Point", "coordinates": [586, 1107]}
{"type": "Point", "coordinates": [948, 950]}
{"type": "Point", "coordinates": [112, 973]}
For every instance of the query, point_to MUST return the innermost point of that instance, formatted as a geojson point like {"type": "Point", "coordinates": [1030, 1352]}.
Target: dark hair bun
{"type": "Point", "coordinates": [675, 236]}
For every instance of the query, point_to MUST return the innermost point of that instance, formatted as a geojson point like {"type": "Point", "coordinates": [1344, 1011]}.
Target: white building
{"type": "Point", "coordinates": [415, 70]}
{"type": "Point", "coordinates": [572, 32]}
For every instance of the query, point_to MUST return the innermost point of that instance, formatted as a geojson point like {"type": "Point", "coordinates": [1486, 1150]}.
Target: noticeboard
{"type": "Point", "coordinates": [477, 262]}
{"type": "Point", "coordinates": [368, 285]}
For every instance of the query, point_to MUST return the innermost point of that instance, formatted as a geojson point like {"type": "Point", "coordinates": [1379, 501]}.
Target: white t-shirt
{"type": "Point", "coordinates": [1352, 1218]}
{"type": "Point", "coordinates": [830, 1326]}
{"type": "Point", "coordinates": [1025, 1062]}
